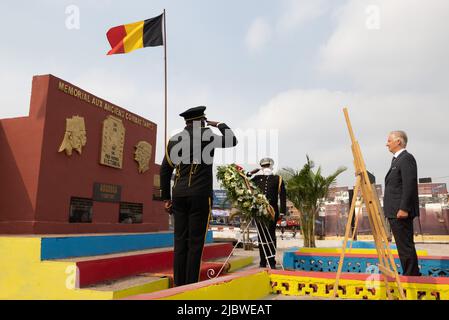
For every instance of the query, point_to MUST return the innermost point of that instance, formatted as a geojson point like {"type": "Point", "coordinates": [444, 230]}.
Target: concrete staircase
{"type": "Point", "coordinates": [112, 266]}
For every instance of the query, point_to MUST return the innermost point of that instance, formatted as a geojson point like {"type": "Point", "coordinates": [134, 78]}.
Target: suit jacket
{"type": "Point", "coordinates": [193, 172]}
{"type": "Point", "coordinates": [401, 187]}
{"type": "Point", "coordinates": [274, 189]}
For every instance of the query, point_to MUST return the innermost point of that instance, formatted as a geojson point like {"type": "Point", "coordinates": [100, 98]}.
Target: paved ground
{"type": "Point", "coordinates": [434, 249]}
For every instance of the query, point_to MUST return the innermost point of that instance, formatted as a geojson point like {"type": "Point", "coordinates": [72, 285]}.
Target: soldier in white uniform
{"type": "Point", "coordinates": [274, 189]}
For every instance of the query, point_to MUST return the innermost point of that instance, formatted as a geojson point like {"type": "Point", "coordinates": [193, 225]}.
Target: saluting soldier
{"type": "Point", "coordinates": [274, 189]}
{"type": "Point", "coordinates": [190, 154]}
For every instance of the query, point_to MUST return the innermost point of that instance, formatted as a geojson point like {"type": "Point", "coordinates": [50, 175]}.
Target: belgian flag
{"type": "Point", "coordinates": [129, 37]}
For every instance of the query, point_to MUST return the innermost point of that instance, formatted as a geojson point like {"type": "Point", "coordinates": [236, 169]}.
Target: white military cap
{"type": "Point", "coordinates": [266, 161]}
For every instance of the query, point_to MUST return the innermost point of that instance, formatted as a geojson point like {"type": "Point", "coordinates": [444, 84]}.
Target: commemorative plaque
{"type": "Point", "coordinates": [113, 141]}
{"type": "Point", "coordinates": [104, 192]}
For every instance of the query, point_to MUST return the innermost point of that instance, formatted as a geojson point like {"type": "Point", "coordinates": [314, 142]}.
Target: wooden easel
{"type": "Point", "coordinates": [386, 264]}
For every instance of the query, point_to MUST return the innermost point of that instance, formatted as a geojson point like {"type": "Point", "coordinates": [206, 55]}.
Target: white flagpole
{"type": "Point", "coordinates": [165, 60]}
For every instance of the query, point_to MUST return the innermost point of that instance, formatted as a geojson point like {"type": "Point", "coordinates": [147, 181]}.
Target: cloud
{"type": "Point", "coordinates": [312, 122]}
{"type": "Point", "coordinates": [394, 56]}
{"type": "Point", "coordinates": [14, 105]}
{"type": "Point", "coordinates": [259, 34]}
{"type": "Point", "coordinates": [406, 51]}
{"type": "Point", "coordinates": [296, 13]}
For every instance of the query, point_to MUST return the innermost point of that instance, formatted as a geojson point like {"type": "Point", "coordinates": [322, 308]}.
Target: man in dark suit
{"type": "Point", "coordinates": [190, 154]}
{"type": "Point", "coordinates": [274, 189]}
{"type": "Point", "coordinates": [401, 203]}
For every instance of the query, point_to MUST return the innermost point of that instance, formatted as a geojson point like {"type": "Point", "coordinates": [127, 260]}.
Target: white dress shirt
{"type": "Point", "coordinates": [398, 153]}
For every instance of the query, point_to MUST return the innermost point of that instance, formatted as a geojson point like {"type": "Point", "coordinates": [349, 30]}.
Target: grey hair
{"type": "Point", "coordinates": [401, 136]}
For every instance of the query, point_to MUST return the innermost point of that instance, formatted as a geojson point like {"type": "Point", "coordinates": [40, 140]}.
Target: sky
{"type": "Point", "coordinates": [281, 71]}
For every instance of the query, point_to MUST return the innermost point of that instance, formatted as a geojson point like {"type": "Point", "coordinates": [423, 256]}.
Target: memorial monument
{"type": "Point", "coordinates": [77, 164]}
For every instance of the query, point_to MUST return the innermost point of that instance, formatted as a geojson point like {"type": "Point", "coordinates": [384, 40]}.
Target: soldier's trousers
{"type": "Point", "coordinates": [191, 219]}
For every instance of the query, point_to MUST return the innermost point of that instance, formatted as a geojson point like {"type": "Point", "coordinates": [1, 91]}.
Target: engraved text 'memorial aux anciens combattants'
{"type": "Point", "coordinates": [113, 134]}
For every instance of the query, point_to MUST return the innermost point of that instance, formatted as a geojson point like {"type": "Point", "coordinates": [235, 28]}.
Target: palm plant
{"type": "Point", "coordinates": [307, 189]}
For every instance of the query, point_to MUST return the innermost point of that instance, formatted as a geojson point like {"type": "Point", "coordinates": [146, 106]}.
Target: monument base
{"type": "Point", "coordinates": [107, 266]}
{"type": "Point", "coordinates": [75, 228]}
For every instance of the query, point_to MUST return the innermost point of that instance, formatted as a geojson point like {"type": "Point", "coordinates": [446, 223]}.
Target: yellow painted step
{"type": "Point", "coordinates": [131, 286]}
{"type": "Point", "coordinates": [234, 263]}
{"type": "Point", "coordinates": [353, 251]}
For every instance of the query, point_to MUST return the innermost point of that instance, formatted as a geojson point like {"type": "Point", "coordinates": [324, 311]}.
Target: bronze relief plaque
{"type": "Point", "coordinates": [113, 142]}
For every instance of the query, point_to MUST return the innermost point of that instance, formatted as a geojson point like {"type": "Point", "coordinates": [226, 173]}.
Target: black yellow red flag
{"type": "Point", "coordinates": [137, 35]}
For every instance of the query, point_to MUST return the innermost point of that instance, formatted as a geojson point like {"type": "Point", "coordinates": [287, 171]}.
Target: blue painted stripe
{"type": "Point", "coordinates": [365, 245]}
{"type": "Point", "coordinates": [295, 261]}
{"type": "Point", "coordinates": [355, 245]}
{"type": "Point", "coordinates": [85, 246]}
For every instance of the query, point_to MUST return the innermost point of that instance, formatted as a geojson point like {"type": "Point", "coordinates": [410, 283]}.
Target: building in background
{"type": "Point", "coordinates": [434, 211]}
{"type": "Point", "coordinates": [221, 208]}
{"type": "Point", "coordinates": [433, 220]}
{"type": "Point", "coordinates": [333, 215]}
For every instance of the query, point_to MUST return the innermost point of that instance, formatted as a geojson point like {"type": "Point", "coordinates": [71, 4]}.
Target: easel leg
{"type": "Point", "coordinates": [345, 241]}
{"type": "Point", "coordinates": [356, 225]}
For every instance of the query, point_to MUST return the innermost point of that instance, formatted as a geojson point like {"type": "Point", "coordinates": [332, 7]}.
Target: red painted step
{"type": "Point", "coordinates": [104, 269]}
{"type": "Point", "coordinates": [207, 269]}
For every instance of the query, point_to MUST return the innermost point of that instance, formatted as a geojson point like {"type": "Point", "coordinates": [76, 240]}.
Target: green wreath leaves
{"type": "Point", "coordinates": [244, 195]}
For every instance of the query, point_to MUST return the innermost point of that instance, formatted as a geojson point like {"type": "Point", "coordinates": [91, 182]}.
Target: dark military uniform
{"type": "Point", "coordinates": [190, 154]}
{"type": "Point", "coordinates": [274, 189]}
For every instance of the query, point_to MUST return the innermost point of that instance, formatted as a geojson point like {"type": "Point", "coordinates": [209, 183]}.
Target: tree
{"type": "Point", "coordinates": [307, 189]}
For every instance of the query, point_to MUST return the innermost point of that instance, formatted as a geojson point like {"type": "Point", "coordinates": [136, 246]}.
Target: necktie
{"type": "Point", "coordinates": [392, 160]}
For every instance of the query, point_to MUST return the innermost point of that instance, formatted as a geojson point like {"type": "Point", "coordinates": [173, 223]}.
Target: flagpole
{"type": "Point", "coordinates": [165, 61]}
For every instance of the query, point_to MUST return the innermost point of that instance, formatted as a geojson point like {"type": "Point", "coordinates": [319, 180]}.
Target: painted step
{"type": "Point", "coordinates": [93, 270]}
{"type": "Point", "coordinates": [213, 268]}
{"type": "Point", "coordinates": [432, 266]}
{"type": "Point", "coordinates": [72, 246]}
{"type": "Point", "coordinates": [235, 262]}
{"type": "Point", "coordinates": [130, 286]}
{"type": "Point", "coordinates": [420, 253]}
{"type": "Point", "coordinates": [259, 283]}
{"type": "Point", "coordinates": [365, 245]}
{"type": "Point", "coordinates": [356, 286]}
{"type": "Point", "coordinates": [244, 285]}
{"type": "Point", "coordinates": [207, 271]}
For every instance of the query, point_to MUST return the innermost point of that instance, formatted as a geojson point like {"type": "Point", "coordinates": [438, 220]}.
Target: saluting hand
{"type": "Point", "coordinates": [212, 123]}
{"type": "Point", "coordinates": [249, 174]}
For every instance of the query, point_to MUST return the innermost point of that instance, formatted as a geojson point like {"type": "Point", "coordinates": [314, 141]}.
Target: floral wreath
{"type": "Point", "coordinates": [244, 194]}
